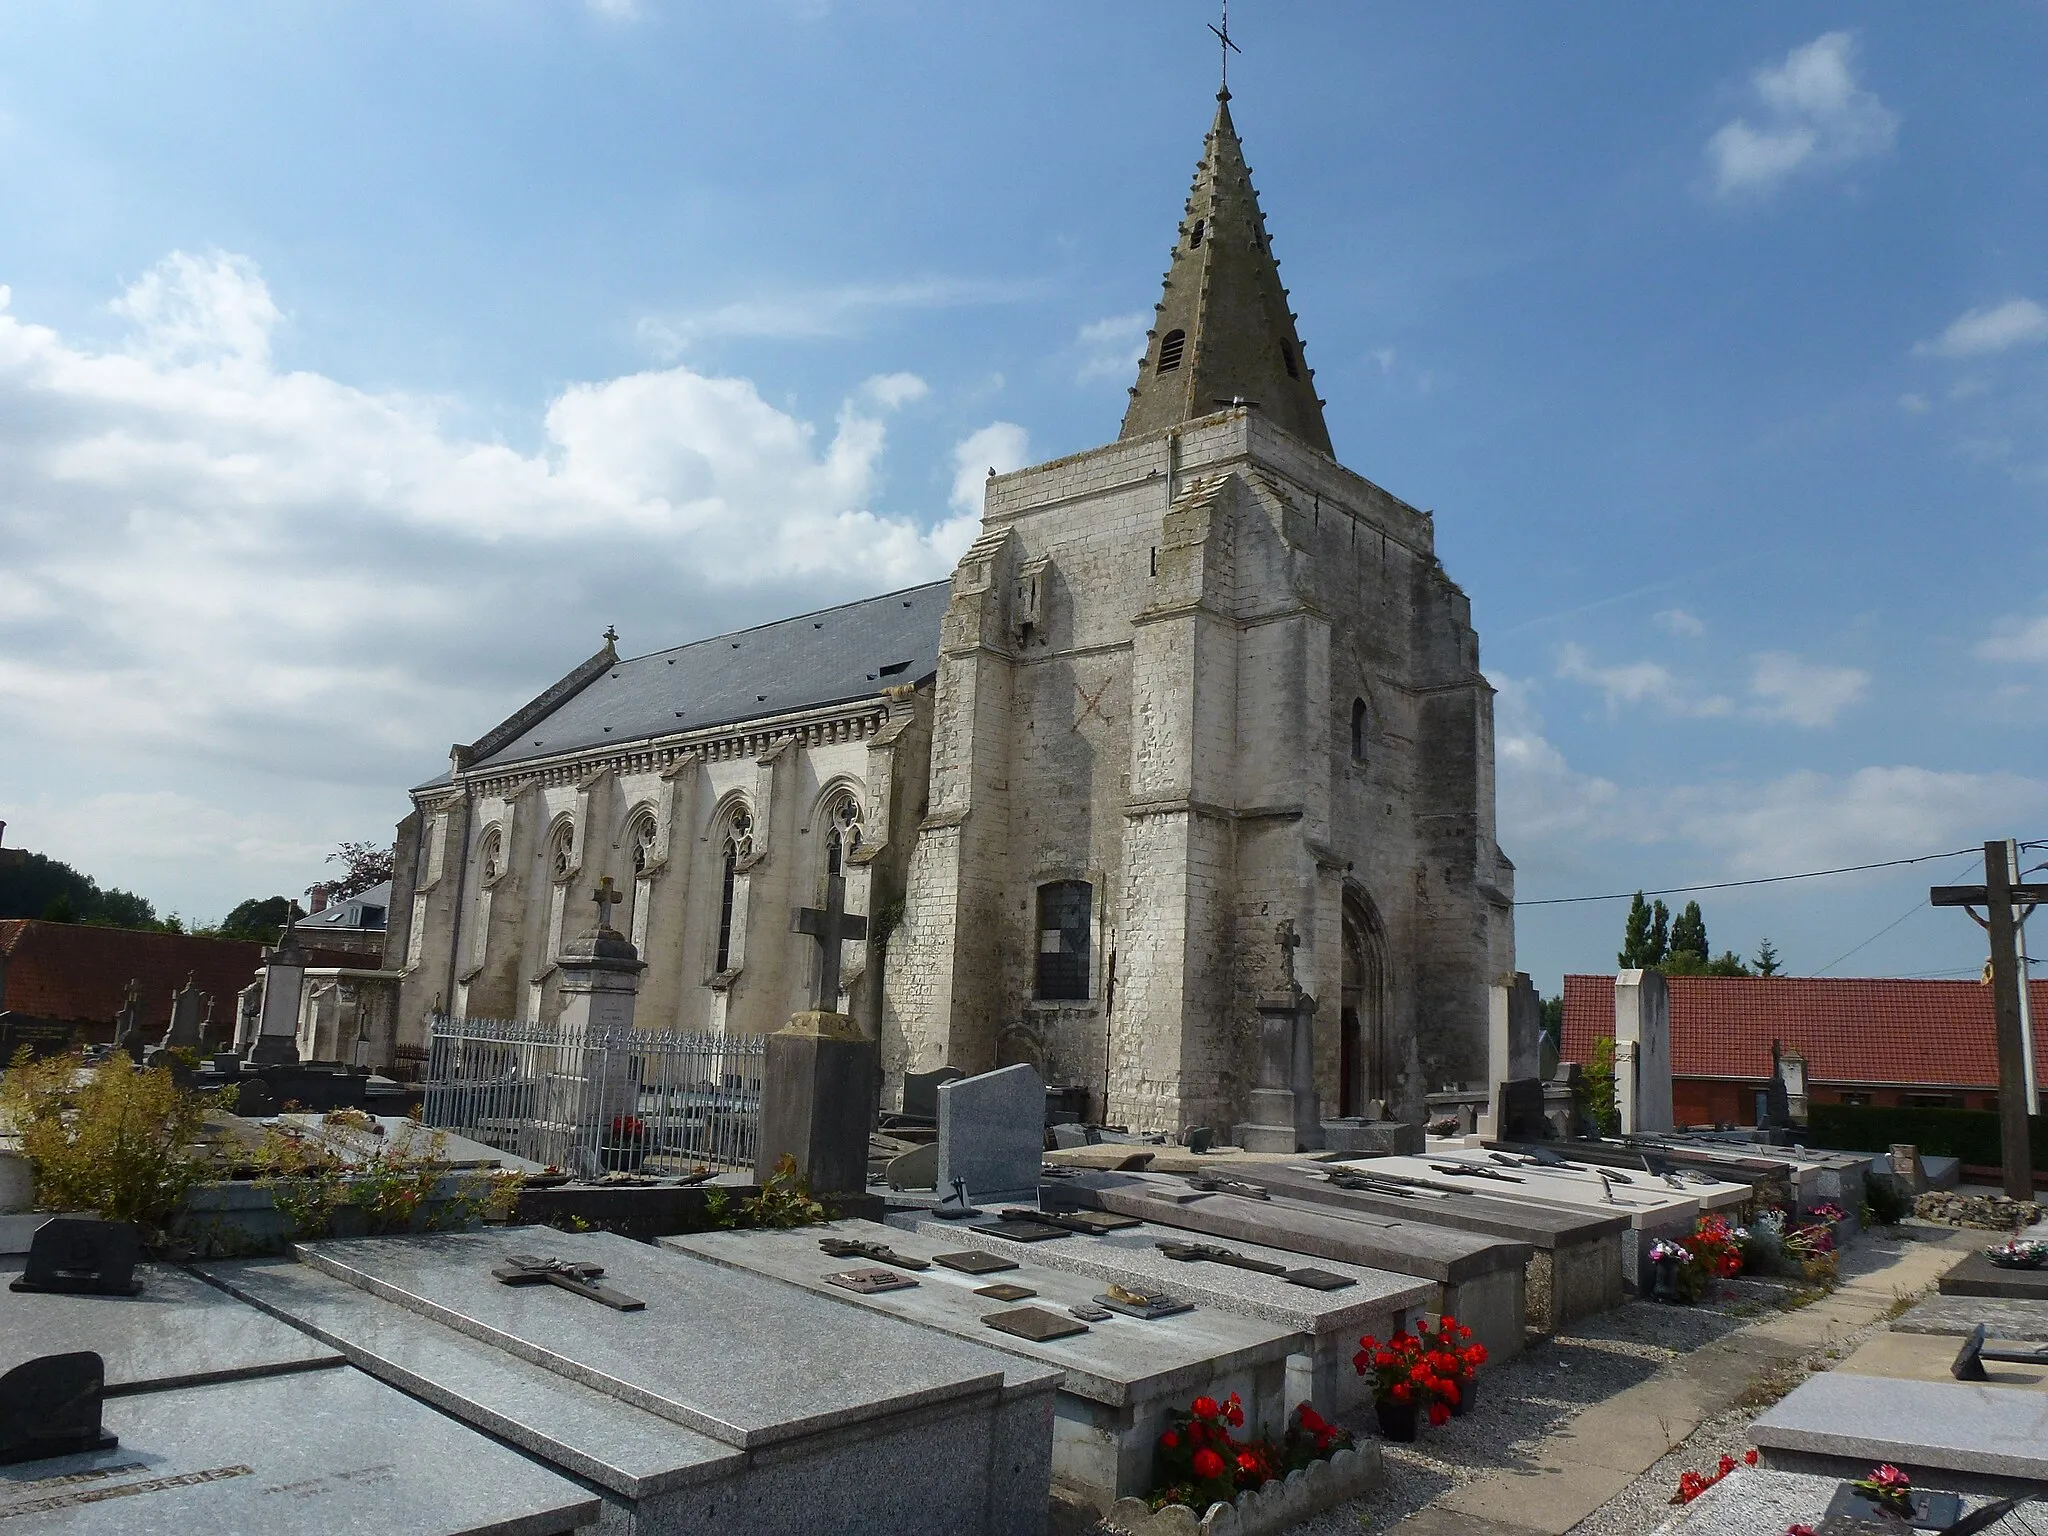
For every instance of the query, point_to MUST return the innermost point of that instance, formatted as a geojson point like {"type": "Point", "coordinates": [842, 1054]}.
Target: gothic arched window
{"type": "Point", "coordinates": [492, 860]}
{"type": "Point", "coordinates": [642, 840]}
{"type": "Point", "coordinates": [738, 844]}
{"type": "Point", "coordinates": [1170, 348]}
{"type": "Point", "coordinates": [842, 834]}
{"type": "Point", "coordinates": [1195, 238]}
{"type": "Point", "coordinates": [562, 851]}
{"type": "Point", "coordinates": [1064, 910]}
{"type": "Point", "coordinates": [1361, 729]}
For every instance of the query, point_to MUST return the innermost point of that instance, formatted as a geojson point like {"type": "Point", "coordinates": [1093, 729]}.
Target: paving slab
{"type": "Point", "coordinates": [319, 1452]}
{"type": "Point", "coordinates": [1118, 1379]}
{"type": "Point", "coordinates": [1548, 1497]}
{"type": "Point", "coordinates": [1927, 1357]}
{"type": "Point", "coordinates": [1945, 1434]}
{"type": "Point", "coordinates": [1762, 1501]}
{"type": "Point", "coordinates": [1481, 1280]}
{"type": "Point", "coordinates": [178, 1332]}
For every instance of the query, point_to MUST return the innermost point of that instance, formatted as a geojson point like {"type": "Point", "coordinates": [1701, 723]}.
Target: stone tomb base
{"type": "Point", "coordinates": [1325, 1324]}
{"type": "Point", "coordinates": [723, 1405]}
{"type": "Point", "coordinates": [1761, 1501]}
{"type": "Point", "coordinates": [1958, 1435]}
{"type": "Point", "coordinates": [1119, 1379]}
{"type": "Point", "coordinates": [1480, 1280]}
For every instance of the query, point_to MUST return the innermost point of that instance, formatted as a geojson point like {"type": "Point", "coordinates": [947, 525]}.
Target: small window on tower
{"type": "Point", "coordinates": [1170, 349]}
{"type": "Point", "coordinates": [1287, 357]}
{"type": "Point", "coordinates": [1064, 909]}
{"type": "Point", "coordinates": [1361, 729]}
{"type": "Point", "coordinates": [1195, 236]}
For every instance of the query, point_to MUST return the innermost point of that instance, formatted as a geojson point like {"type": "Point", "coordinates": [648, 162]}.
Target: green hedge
{"type": "Point", "coordinates": [1969, 1134]}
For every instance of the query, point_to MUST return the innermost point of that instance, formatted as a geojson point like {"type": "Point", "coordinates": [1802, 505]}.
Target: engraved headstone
{"type": "Point", "coordinates": [82, 1254]}
{"type": "Point", "coordinates": [128, 1022]}
{"type": "Point", "coordinates": [992, 1133]}
{"type": "Point", "coordinates": [51, 1407]}
{"type": "Point", "coordinates": [183, 1032]}
{"type": "Point", "coordinates": [921, 1091]}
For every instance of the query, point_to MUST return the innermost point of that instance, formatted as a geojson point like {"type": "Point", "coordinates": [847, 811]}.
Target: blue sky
{"type": "Point", "coordinates": [360, 364]}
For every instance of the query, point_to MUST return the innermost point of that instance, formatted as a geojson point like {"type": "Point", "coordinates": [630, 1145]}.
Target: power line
{"type": "Point", "coordinates": [1725, 885]}
{"type": "Point", "coordinates": [1917, 906]}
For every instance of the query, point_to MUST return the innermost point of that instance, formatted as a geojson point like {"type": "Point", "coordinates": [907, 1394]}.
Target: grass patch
{"type": "Point", "coordinates": [1805, 1296]}
{"type": "Point", "coordinates": [1769, 1385]}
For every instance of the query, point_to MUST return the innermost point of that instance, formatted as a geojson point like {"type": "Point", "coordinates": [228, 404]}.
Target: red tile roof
{"type": "Point", "coordinates": [1849, 1029]}
{"type": "Point", "coordinates": [75, 973]}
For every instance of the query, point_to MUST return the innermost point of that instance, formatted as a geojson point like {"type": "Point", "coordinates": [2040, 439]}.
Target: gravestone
{"type": "Point", "coordinates": [277, 1024]}
{"type": "Point", "coordinates": [598, 981]}
{"type": "Point", "coordinates": [248, 1018]}
{"type": "Point", "coordinates": [1906, 1168]}
{"type": "Point", "coordinates": [1286, 1114]}
{"type": "Point", "coordinates": [921, 1091]}
{"type": "Point", "coordinates": [1514, 1043]}
{"type": "Point", "coordinates": [1561, 1101]}
{"type": "Point", "coordinates": [82, 1255]}
{"type": "Point", "coordinates": [183, 1033]}
{"type": "Point", "coordinates": [128, 1022]}
{"type": "Point", "coordinates": [916, 1169]}
{"type": "Point", "coordinates": [819, 1077]}
{"type": "Point", "coordinates": [1518, 1110]}
{"type": "Point", "coordinates": [50, 1406]}
{"type": "Point", "coordinates": [1642, 1051]}
{"type": "Point", "coordinates": [1774, 1104]}
{"type": "Point", "coordinates": [992, 1133]}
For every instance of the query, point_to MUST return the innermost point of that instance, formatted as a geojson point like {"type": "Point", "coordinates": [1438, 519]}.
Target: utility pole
{"type": "Point", "coordinates": [1996, 896]}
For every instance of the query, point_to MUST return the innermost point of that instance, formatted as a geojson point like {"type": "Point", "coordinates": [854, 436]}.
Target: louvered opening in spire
{"type": "Point", "coordinates": [1223, 333]}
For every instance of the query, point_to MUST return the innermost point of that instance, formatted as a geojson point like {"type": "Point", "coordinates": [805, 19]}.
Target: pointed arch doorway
{"type": "Point", "coordinates": [1364, 1050]}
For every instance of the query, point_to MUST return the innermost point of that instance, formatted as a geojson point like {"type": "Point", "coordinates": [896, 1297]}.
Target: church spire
{"type": "Point", "coordinates": [1223, 334]}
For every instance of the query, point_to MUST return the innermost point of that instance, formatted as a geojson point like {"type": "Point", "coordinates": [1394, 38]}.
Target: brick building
{"type": "Point", "coordinates": [1875, 1040]}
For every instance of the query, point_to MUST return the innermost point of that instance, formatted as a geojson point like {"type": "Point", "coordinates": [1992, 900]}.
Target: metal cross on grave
{"type": "Point", "coordinates": [606, 896]}
{"type": "Point", "coordinates": [829, 926]}
{"type": "Point", "coordinates": [1289, 941]}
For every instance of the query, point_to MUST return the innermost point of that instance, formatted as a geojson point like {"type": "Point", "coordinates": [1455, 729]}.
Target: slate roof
{"type": "Point", "coordinates": [346, 914]}
{"type": "Point", "coordinates": [1849, 1029]}
{"type": "Point", "coordinates": [814, 659]}
{"type": "Point", "coordinates": [76, 973]}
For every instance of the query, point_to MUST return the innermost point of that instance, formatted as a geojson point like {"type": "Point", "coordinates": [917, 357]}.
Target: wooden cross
{"type": "Point", "coordinates": [829, 926]}
{"type": "Point", "coordinates": [1289, 941]}
{"type": "Point", "coordinates": [606, 896]}
{"type": "Point", "coordinates": [572, 1275]}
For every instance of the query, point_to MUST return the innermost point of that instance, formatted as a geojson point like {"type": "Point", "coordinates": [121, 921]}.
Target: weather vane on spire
{"type": "Point", "coordinates": [1223, 37]}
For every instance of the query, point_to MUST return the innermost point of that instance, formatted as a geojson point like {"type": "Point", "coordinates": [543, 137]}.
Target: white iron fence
{"type": "Point", "coordinates": [597, 1100]}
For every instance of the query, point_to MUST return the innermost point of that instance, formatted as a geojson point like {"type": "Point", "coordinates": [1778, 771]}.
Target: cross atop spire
{"type": "Point", "coordinates": [1224, 337]}
{"type": "Point", "coordinates": [1223, 37]}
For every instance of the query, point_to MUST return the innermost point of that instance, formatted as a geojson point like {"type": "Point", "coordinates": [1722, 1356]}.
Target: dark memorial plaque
{"type": "Point", "coordinates": [870, 1282]}
{"type": "Point", "coordinates": [1088, 1223]}
{"type": "Point", "coordinates": [1004, 1291]}
{"type": "Point", "coordinates": [1088, 1312]}
{"type": "Point", "coordinates": [1969, 1361]}
{"type": "Point", "coordinates": [1310, 1278]}
{"type": "Point", "coordinates": [1034, 1323]}
{"type": "Point", "coordinates": [575, 1277]}
{"type": "Point", "coordinates": [1211, 1184]}
{"type": "Point", "coordinates": [881, 1253]}
{"type": "Point", "coordinates": [84, 1256]}
{"type": "Point", "coordinates": [1932, 1511]}
{"type": "Point", "coordinates": [973, 1261]}
{"type": "Point", "coordinates": [51, 1407]}
{"type": "Point", "coordinates": [1022, 1231]}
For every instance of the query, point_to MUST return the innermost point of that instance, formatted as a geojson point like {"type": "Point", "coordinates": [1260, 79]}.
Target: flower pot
{"type": "Point", "coordinates": [1463, 1405]}
{"type": "Point", "coordinates": [1664, 1281]}
{"type": "Point", "coordinates": [622, 1159]}
{"type": "Point", "coordinates": [1398, 1421]}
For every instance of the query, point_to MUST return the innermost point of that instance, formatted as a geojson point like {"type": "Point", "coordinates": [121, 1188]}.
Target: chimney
{"type": "Point", "coordinates": [318, 897]}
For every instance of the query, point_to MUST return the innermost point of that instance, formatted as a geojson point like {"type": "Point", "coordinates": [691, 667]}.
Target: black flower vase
{"type": "Point", "coordinates": [1398, 1421]}
{"type": "Point", "coordinates": [1463, 1405]}
{"type": "Point", "coordinates": [1664, 1281]}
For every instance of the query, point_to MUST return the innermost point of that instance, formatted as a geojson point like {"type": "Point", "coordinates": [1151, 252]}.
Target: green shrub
{"type": "Point", "coordinates": [1971, 1135]}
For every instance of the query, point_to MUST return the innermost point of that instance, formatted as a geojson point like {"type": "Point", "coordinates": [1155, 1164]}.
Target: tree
{"type": "Point", "coordinates": [1646, 936]}
{"type": "Point", "coordinates": [37, 886]}
{"type": "Point", "coordinates": [261, 918]}
{"type": "Point", "coordinates": [1553, 1020]}
{"type": "Point", "coordinates": [1766, 961]}
{"type": "Point", "coordinates": [1689, 935]}
{"type": "Point", "coordinates": [364, 865]}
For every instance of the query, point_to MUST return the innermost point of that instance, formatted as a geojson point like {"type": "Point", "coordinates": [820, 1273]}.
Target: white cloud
{"type": "Point", "coordinates": [1812, 115]}
{"type": "Point", "coordinates": [2018, 640]}
{"type": "Point", "coordinates": [2015, 323]}
{"type": "Point", "coordinates": [840, 311]}
{"type": "Point", "coordinates": [227, 581]}
{"type": "Point", "coordinates": [1917, 405]}
{"type": "Point", "coordinates": [1676, 621]}
{"type": "Point", "coordinates": [1804, 692]}
{"type": "Point", "coordinates": [1385, 357]}
{"type": "Point", "coordinates": [890, 390]}
{"type": "Point", "coordinates": [1541, 796]}
{"type": "Point", "coordinates": [1110, 348]}
{"type": "Point", "coordinates": [1639, 682]}
{"type": "Point", "coordinates": [1000, 446]}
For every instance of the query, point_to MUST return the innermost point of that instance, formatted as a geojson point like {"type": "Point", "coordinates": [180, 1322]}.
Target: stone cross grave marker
{"type": "Point", "coordinates": [184, 1027]}
{"type": "Point", "coordinates": [128, 1022]}
{"type": "Point", "coordinates": [1289, 941]}
{"type": "Point", "coordinates": [829, 926]}
{"type": "Point", "coordinates": [606, 896]}
{"type": "Point", "coordinates": [574, 1276]}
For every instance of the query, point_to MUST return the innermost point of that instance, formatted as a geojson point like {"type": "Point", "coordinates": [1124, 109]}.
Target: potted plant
{"type": "Point", "coordinates": [2019, 1253]}
{"type": "Point", "coordinates": [1454, 1360]}
{"type": "Point", "coordinates": [1667, 1259]}
{"type": "Point", "coordinates": [1405, 1383]}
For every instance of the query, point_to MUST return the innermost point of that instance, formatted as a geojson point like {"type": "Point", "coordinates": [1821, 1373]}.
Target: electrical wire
{"type": "Point", "coordinates": [1725, 885]}
{"type": "Point", "coordinates": [1922, 904]}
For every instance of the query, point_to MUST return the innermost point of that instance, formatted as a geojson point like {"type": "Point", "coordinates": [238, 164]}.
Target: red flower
{"type": "Point", "coordinates": [1749, 1456]}
{"type": "Point", "coordinates": [1361, 1362]}
{"type": "Point", "coordinates": [1312, 1421]}
{"type": "Point", "coordinates": [1205, 1408]}
{"type": "Point", "coordinates": [1798, 1530]}
{"type": "Point", "coordinates": [1448, 1321]}
{"type": "Point", "coordinates": [1169, 1440]}
{"type": "Point", "coordinates": [1385, 1359]}
{"type": "Point", "coordinates": [1236, 1414]}
{"type": "Point", "coordinates": [1208, 1464]}
{"type": "Point", "coordinates": [1727, 1465]}
{"type": "Point", "coordinates": [1247, 1462]}
{"type": "Point", "coordinates": [1401, 1392]}
{"type": "Point", "coordinates": [1439, 1414]}
{"type": "Point", "coordinates": [1891, 1479]}
{"type": "Point", "coordinates": [1449, 1392]}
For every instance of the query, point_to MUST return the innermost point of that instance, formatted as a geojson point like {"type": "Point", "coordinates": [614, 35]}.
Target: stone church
{"type": "Point", "coordinates": [1182, 688]}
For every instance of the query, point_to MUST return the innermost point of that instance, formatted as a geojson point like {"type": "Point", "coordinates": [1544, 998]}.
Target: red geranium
{"type": "Point", "coordinates": [1208, 1464]}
